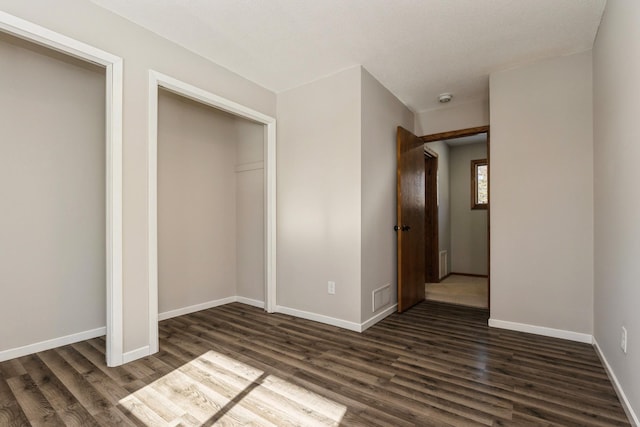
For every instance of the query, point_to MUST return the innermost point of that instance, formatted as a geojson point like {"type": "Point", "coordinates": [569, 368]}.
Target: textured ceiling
{"type": "Point", "coordinates": [416, 48]}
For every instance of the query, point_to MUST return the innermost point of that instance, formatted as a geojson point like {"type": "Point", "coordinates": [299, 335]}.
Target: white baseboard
{"type": "Point", "coordinates": [345, 324]}
{"type": "Point", "coordinates": [132, 355]}
{"type": "Point", "coordinates": [633, 418]}
{"type": "Point", "coordinates": [541, 330]}
{"type": "Point", "coordinates": [378, 317]}
{"type": "Point", "coordinates": [249, 301]}
{"type": "Point", "coordinates": [193, 308]}
{"type": "Point", "coordinates": [52, 343]}
{"type": "Point", "coordinates": [144, 351]}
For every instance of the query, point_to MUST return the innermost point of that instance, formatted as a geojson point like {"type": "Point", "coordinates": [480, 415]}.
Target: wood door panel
{"type": "Point", "coordinates": [410, 219]}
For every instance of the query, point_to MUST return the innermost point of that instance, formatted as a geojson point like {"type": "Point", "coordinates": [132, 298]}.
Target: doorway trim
{"type": "Point", "coordinates": [443, 136]}
{"type": "Point", "coordinates": [113, 146]}
{"type": "Point", "coordinates": [158, 80]}
{"type": "Point", "coordinates": [431, 227]}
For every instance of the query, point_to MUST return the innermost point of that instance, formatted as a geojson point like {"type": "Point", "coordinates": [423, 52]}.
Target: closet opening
{"type": "Point", "coordinates": [60, 164]}
{"type": "Point", "coordinates": [212, 203]}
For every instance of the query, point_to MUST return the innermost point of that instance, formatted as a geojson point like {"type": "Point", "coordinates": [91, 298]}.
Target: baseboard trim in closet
{"type": "Point", "coordinates": [197, 307]}
{"type": "Point", "coordinates": [249, 301]}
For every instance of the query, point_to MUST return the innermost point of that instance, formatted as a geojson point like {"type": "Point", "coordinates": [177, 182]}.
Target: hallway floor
{"type": "Point", "coordinates": [460, 290]}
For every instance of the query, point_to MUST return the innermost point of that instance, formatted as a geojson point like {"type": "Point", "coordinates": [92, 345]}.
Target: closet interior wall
{"type": "Point", "coordinates": [52, 186]}
{"type": "Point", "coordinates": [210, 206]}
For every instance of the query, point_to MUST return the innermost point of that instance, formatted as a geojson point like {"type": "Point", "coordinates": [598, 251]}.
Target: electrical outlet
{"type": "Point", "coordinates": [331, 287]}
{"type": "Point", "coordinates": [623, 340]}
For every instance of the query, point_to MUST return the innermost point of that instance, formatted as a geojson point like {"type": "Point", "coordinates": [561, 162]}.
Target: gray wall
{"type": "Point", "coordinates": [469, 248]}
{"type": "Point", "coordinates": [542, 194]}
{"type": "Point", "coordinates": [382, 113]}
{"type": "Point", "coordinates": [52, 186]}
{"type": "Point", "coordinates": [319, 190]}
{"type": "Point", "coordinates": [616, 73]}
{"type": "Point", "coordinates": [452, 117]}
{"type": "Point", "coordinates": [210, 233]}
{"type": "Point", "coordinates": [336, 193]}
{"type": "Point", "coordinates": [142, 50]}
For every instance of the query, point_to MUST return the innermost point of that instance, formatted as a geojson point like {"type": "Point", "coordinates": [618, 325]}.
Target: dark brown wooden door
{"type": "Point", "coordinates": [410, 221]}
{"type": "Point", "coordinates": [432, 250]}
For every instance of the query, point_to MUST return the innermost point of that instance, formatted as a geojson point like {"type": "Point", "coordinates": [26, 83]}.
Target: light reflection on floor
{"type": "Point", "coordinates": [215, 389]}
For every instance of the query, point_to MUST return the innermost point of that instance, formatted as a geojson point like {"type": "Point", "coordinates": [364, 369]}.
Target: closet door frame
{"type": "Point", "coordinates": [113, 66]}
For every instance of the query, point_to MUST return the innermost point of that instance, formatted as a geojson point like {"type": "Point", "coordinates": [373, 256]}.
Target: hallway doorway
{"type": "Point", "coordinates": [457, 217]}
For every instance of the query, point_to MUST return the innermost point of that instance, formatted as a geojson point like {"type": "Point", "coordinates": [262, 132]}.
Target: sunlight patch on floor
{"type": "Point", "coordinates": [216, 389]}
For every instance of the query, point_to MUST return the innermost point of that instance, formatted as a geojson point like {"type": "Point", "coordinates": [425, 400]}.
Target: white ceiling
{"type": "Point", "coordinates": [416, 48]}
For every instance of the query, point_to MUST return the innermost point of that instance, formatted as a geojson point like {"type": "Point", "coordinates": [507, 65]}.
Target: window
{"type": "Point", "coordinates": [479, 184]}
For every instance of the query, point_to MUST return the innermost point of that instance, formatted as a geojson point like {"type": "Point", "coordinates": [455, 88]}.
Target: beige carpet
{"type": "Point", "coordinates": [461, 290]}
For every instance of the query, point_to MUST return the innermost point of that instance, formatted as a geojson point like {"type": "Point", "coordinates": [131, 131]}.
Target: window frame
{"type": "Point", "coordinates": [474, 184]}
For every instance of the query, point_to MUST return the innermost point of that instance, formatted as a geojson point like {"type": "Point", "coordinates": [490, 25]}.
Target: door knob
{"type": "Point", "coordinates": [401, 227]}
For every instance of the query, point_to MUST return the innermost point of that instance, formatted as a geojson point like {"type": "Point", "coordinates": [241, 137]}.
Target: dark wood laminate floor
{"type": "Point", "coordinates": [435, 365]}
